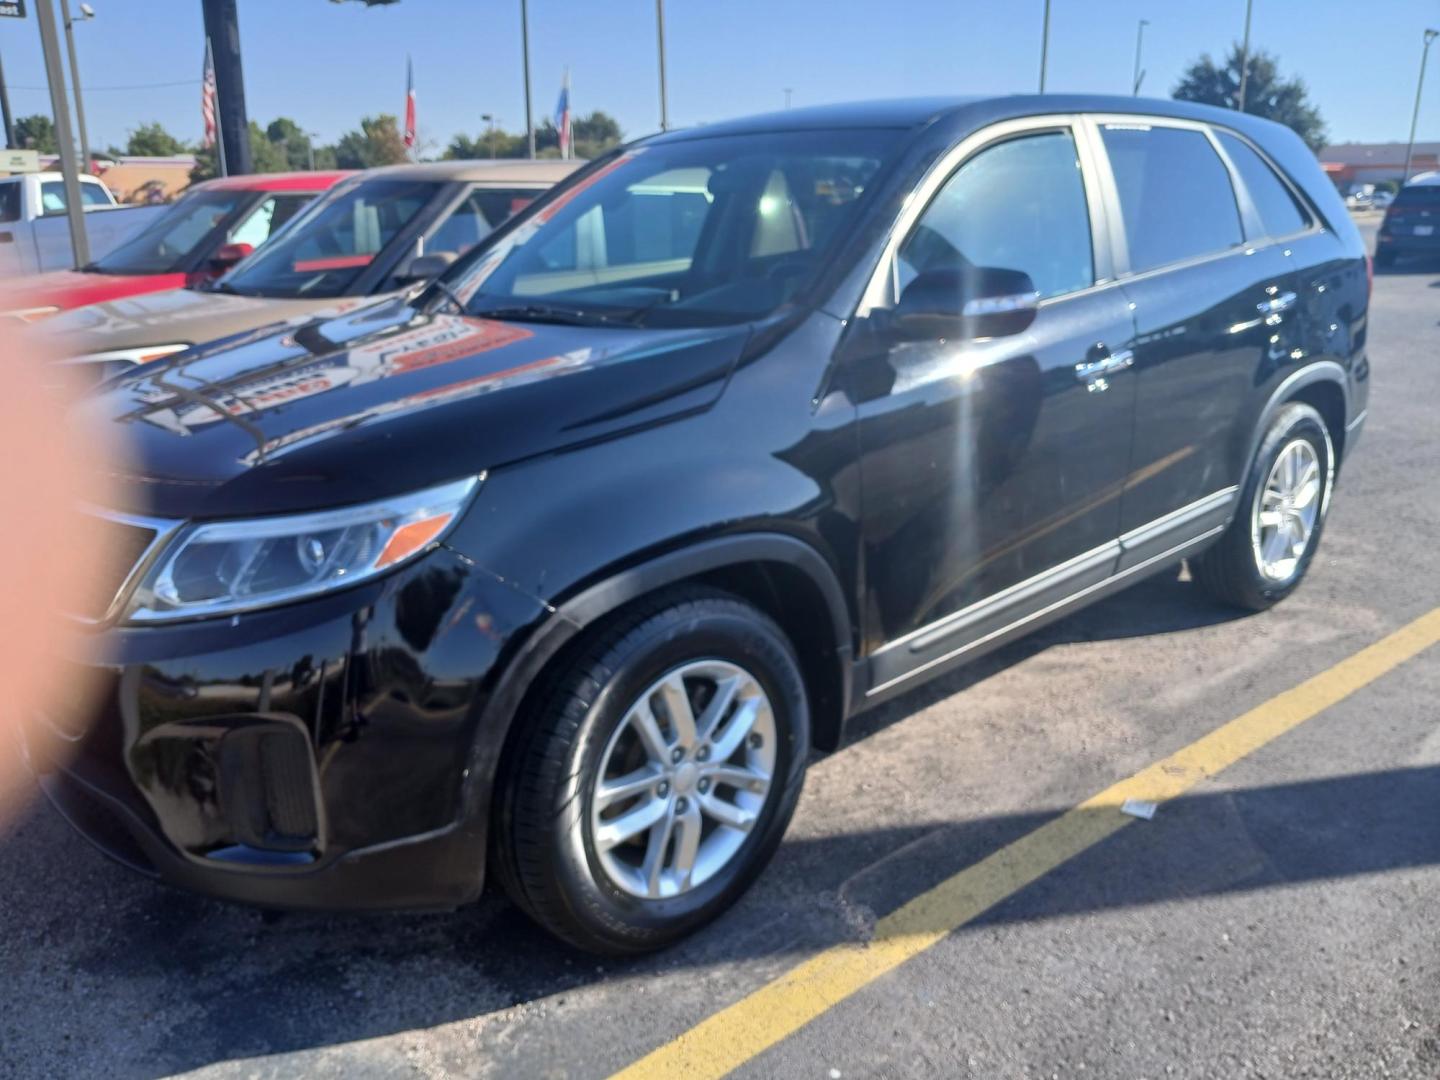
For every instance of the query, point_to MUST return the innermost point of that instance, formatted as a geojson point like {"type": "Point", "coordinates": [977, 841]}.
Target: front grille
{"type": "Point", "coordinates": [123, 545]}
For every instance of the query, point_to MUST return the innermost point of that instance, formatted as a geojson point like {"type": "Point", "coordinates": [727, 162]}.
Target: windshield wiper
{"type": "Point", "coordinates": [539, 313]}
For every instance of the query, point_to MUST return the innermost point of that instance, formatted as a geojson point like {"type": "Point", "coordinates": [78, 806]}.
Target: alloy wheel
{"type": "Point", "coordinates": [683, 779]}
{"type": "Point", "coordinates": [1286, 510]}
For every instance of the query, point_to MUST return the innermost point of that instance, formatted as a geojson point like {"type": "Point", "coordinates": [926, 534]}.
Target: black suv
{"type": "Point", "coordinates": [561, 569]}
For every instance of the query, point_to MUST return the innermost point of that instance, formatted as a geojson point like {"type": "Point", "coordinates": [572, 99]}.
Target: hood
{"type": "Point", "coordinates": [178, 316]}
{"type": "Point", "coordinates": [65, 289]}
{"type": "Point", "coordinates": [386, 400]}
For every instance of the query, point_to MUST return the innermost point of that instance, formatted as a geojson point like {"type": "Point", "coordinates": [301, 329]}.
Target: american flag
{"type": "Point", "coordinates": [208, 95]}
{"type": "Point", "coordinates": [409, 104]}
{"type": "Point", "coordinates": [562, 116]}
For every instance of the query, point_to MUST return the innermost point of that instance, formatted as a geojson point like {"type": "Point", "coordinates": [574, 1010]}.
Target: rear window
{"type": "Point", "coordinates": [1273, 201]}
{"type": "Point", "coordinates": [52, 196]}
{"type": "Point", "coordinates": [1418, 195]}
{"type": "Point", "coordinates": [1175, 194]}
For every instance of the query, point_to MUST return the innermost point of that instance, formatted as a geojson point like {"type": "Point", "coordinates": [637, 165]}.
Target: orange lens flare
{"type": "Point", "coordinates": [410, 538]}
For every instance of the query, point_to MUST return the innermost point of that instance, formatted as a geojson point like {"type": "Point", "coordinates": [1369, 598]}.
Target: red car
{"type": "Point", "coordinates": [210, 228]}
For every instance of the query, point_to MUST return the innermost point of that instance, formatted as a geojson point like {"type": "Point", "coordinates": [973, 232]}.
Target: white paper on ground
{"type": "Point", "coordinates": [1139, 808]}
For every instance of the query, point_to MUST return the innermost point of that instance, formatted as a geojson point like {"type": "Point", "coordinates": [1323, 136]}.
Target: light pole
{"type": "Point", "coordinates": [1044, 45]}
{"type": "Point", "coordinates": [86, 13]}
{"type": "Point", "coordinates": [310, 137]}
{"type": "Point", "coordinates": [1430, 35]}
{"type": "Point", "coordinates": [788, 92]}
{"type": "Point", "coordinates": [5, 109]}
{"type": "Point", "coordinates": [525, 45]}
{"type": "Point", "coordinates": [489, 119]}
{"type": "Point", "coordinates": [64, 139]}
{"type": "Point", "coordinates": [1139, 44]}
{"type": "Point", "coordinates": [660, 36]}
{"type": "Point", "coordinates": [1245, 57]}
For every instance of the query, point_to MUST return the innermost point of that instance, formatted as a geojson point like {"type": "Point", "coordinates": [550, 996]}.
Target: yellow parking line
{"type": "Point", "coordinates": [736, 1034]}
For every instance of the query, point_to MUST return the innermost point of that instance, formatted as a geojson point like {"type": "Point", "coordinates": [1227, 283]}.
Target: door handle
{"type": "Point", "coordinates": [1276, 304]}
{"type": "Point", "coordinates": [1093, 372]}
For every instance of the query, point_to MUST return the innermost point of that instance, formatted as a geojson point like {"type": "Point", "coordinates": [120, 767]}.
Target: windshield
{"type": "Point", "coordinates": [163, 245]}
{"type": "Point", "coordinates": [324, 251]}
{"type": "Point", "coordinates": [699, 232]}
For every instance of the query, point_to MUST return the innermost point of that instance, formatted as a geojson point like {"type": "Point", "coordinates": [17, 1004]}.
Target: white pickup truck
{"type": "Point", "coordinates": [35, 232]}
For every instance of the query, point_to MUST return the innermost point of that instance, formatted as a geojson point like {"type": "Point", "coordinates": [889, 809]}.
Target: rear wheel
{"type": "Point", "coordinates": [658, 779]}
{"type": "Point", "coordinates": [1263, 554]}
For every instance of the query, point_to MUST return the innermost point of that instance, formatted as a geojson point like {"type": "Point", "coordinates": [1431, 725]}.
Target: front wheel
{"type": "Point", "coordinates": [1263, 554]}
{"type": "Point", "coordinates": [658, 779]}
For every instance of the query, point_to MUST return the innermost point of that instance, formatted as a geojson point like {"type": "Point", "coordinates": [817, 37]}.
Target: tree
{"type": "Point", "coordinates": [598, 128]}
{"type": "Point", "coordinates": [265, 157]}
{"type": "Point", "coordinates": [503, 143]}
{"type": "Point", "coordinates": [378, 142]}
{"type": "Point", "coordinates": [36, 133]}
{"type": "Point", "coordinates": [152, 140]}
{"type": "Point", "coordinates": [594, 134]}
{"type": "Point", "coordinates": [286, 136]}
{"type": "Point", "coordinates": [1285, 101]}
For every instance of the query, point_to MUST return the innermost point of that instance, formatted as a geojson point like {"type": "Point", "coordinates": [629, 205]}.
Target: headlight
{"type": "Point", "coordinates": [232, 566]}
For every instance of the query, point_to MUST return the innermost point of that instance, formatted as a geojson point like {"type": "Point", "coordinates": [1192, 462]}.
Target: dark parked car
{"type": "Point", "coordinates": [559, 570]}
{"type": "Point", "coordinates": [1412, 223]}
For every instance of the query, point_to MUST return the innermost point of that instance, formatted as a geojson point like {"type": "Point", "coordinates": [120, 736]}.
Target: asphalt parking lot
{"type": "Point", "coordinates": [1276, 918]}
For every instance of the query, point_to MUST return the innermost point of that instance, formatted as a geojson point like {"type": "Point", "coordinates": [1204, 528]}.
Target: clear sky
{"type": "Point", "coordinates": [327, 64]}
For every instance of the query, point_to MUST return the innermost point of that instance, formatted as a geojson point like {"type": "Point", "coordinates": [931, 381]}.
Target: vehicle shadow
{"type": "Point", "coordinates": [295, 986]}
{"type": "Point", "coordinates": [240, 984]}
{"type": "Point", "coordinates": [1166, 603]}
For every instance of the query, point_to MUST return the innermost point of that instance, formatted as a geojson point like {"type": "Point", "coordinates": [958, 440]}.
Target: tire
{"type": "Point", "coordinates": [552, 818]}
{"type": "Point", "coordinates": [1235, 570]}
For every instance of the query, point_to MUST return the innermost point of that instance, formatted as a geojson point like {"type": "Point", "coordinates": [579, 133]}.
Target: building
{"type": "Point", "coordinates": [130, 179]}
{"type": "Point", "coordinates": [1349, 164]}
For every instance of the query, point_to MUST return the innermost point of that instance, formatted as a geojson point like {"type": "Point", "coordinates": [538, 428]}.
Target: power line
{"type": "Point", "coordinates": [128, 86]}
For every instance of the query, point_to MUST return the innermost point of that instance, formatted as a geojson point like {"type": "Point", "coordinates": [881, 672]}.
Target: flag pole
{"type": "Point", "coordinates": [219, 117]}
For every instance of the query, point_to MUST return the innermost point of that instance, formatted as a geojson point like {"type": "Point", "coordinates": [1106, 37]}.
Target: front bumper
{"type": "Point", "coordinates": [312, 756]}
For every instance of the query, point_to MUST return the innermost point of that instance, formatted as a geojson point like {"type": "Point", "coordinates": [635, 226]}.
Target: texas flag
{"type": "Point", "coordinates": [409, 104]}
{"type": "Point", "coordinates": [562, 116]}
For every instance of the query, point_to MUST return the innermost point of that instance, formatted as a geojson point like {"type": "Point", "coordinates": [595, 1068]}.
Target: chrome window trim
{"type": "Point", "coordinates": [164, 529]}
{"type": "Point", "coordinates": [1248, 246]}
{"type": "Point", "coordinates": [1314, 223]}
{"type": "Point", "coordinates": [881, 291]}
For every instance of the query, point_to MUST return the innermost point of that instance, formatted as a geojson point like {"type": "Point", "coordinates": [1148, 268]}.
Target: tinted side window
{"type": "Point", "coordinates": [1018, 205]}
{"type": "Point", "coordinates": [1175, 194]}
{"type": "Point", "coordinates": [1278, 211]}
{"type": "Point", "coordinates": [9, 202]}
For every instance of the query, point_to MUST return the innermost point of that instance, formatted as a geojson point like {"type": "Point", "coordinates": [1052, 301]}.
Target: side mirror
{"type": "Point", "coordinates": [974, 302]}
{"type": "Point", "coordinates": [227, 255]}
{"type": "Point", "coordinates": [425, 267]}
